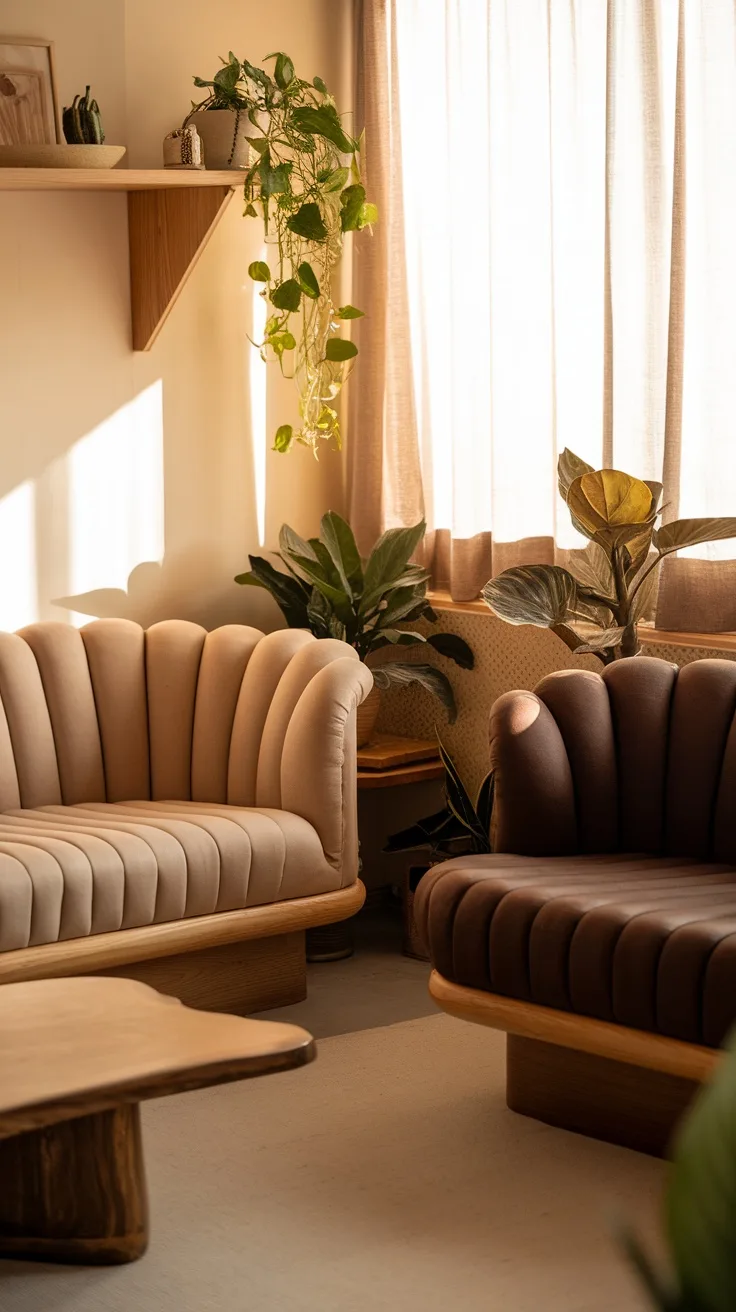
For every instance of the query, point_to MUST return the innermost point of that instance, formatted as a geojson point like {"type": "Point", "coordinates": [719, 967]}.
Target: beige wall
{"type": "Point", "coordinates": [114, 462]}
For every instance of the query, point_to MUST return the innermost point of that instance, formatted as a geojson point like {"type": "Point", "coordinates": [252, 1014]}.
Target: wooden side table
{"type": "Point", "coordinates": [77, 1056]}
{"type": "Point", "coordinates": [389, 760]}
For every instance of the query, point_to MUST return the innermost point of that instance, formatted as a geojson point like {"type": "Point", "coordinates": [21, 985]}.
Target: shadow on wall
{"type": "Point", "coordinates": [174, 590]}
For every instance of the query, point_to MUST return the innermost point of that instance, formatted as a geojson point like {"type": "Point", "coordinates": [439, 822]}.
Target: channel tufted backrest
{"type": "Point", "coordinates": [639, 759]}
{"type": "Point", "coordinates": [112, 712]}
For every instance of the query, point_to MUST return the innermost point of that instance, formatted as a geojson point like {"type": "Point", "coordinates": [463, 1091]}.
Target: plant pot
{"type": "Point", "coordinates": [331, 942]}
{"type": "Point", "coordinates": [412, 945]}
{"type": "Point", "coordinates": [223, 133]}
{"type": "Point", "coordinates": [367, 716]}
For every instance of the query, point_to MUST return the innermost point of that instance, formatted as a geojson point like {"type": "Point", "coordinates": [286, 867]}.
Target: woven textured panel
{"type": "Point", "coordinates": [506, 657]}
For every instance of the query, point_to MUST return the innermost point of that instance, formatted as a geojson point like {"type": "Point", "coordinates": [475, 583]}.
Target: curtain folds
{"type": "Point", "coordinates": [554, 266]}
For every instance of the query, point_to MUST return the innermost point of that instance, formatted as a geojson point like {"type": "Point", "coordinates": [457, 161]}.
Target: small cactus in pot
{"type": "Point", "coordinates": [82, 123]}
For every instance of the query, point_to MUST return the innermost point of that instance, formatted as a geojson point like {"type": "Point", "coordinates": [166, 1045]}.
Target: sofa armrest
{"type": "Point", "coordinates": [534, 800]}
{"type": "Point", "coordinates": [319, 760]}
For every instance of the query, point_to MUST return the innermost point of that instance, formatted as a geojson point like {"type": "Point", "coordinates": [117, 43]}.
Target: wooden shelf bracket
{"type": "Point", "coordinates": [168, 230]}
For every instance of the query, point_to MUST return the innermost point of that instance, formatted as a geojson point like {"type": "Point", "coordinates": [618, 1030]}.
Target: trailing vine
{"type": "Point", "coordinates": [305, 184]}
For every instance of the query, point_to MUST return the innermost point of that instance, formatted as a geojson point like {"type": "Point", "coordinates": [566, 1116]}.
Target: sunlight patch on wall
{"type": "Point", "coordinates": [116, 496]}
{"type": "Point", "coordinates": [258, 383]}
{"type": "Point", "coordinates": [18, 591]}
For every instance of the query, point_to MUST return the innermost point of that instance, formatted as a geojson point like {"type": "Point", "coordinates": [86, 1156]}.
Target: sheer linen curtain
{"type": "Point", "coordinates": [555, 265]}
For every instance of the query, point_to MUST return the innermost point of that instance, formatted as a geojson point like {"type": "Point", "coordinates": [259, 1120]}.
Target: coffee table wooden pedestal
{"type": "Point", "coordinates": [77, 1056]}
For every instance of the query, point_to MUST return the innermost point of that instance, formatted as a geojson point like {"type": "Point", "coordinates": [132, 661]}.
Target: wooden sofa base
{"type": "Point", "coordinates": [621, 1085]}
{"type": "Point", "coordinates": [235, 961]}
{"type": "Point", "coordinates": [240, 978]}
{"type": "Point", "coordinates": [604, 1099]}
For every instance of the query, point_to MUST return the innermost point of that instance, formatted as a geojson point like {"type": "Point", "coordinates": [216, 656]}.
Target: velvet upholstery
{"type": "Point", "coordinates": [612, 888]}
{"type": "Point", "coordinates": [150, 776]}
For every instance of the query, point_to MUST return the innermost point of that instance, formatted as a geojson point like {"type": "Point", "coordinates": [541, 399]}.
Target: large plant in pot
{"type": "Point", "coordinates": [597, 604]}
{"type": "Point", "coordinates": [326, 586]}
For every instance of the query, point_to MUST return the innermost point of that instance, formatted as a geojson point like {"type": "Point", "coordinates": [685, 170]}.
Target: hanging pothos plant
{"type": "Point", "coordinates": [305, 184]}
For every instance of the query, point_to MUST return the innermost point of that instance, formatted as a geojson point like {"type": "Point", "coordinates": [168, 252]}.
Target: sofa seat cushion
{"type": "Point", "coordinates": [641, 941]}
{"type": "Point", "coordinates": [70, 871]}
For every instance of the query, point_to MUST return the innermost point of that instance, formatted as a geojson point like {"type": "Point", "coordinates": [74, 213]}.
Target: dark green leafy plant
{"type": "Point", "coordinates": [82, 123]}
{"type": "Point", "coordinates": [700, 1206]}
{"type": "Point", "coordinates": [462, 826]}
{"type": "Point", "coordinates": [596, 606]}
{"type": "Point", "coordinates": [327, 587]}
{"type": "Point", "coordinates": [305, 184]}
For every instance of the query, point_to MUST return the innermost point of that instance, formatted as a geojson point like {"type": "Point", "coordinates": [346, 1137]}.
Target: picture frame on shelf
{"type": "Point", "coordinates": [29, 104]}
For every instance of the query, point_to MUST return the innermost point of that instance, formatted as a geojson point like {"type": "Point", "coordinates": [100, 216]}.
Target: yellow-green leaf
{"type": "Point", "coordinates": [608, 498]}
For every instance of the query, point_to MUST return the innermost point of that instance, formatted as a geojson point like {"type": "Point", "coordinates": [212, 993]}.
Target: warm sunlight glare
{"type": "Point", "coordinates": [258, 382]}
{"type": "Point", "coordinates": [116, 495]}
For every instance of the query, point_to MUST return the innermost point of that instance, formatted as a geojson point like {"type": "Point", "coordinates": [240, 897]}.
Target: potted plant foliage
{"type": "Point", "coordinates": [326, 586]}
{"type": "Point", "coordinates": [221, 119]}
{"type": "Point", "coordinates": [461, 827]}
{"type": "Point", "coordinates": [597, 604]}
{"type": "Point", "coordinates": [700, 1205]}
{"type": "Point", "coordinates": [304, 183]}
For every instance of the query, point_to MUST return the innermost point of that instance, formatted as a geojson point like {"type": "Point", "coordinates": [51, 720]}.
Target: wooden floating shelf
{"type": "Point", "coordinates": [172, 214]}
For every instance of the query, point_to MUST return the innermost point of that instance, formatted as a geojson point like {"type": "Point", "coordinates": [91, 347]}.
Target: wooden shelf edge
{"type": "Point", "coordinates": [441, 600]}
{"type": "Point", "coordinates": [117, 179]}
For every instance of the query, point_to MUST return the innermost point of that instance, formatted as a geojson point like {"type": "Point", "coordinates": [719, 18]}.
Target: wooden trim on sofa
{"type": "Point", "coordinates": [566, 1030]}
{"type": "Point", "coordinates": [98, 952]}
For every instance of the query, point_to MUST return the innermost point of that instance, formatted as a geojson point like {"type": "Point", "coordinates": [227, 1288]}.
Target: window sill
{"type": "Point", "coordinates": [441, 600]}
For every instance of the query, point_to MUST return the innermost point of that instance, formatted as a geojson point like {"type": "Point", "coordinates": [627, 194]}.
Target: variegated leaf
{"type": "Point", "coordinates": [542, 595]}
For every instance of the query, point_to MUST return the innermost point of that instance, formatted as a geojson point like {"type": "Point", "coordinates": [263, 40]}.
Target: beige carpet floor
{"type": "Point", "coordinates": [389, 1174]}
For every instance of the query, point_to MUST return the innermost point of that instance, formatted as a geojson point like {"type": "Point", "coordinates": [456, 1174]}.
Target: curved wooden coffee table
{"type": "Point", "coordinates": [77, 1056]}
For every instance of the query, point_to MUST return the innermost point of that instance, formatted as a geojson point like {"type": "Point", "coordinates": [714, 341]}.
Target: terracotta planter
{"type": "Point", "coordinates": [223, 133]}
{"type": "Point", "coordinates": [367, 716]}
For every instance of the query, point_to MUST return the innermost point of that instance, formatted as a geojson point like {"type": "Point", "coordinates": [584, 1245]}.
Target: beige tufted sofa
{"type": "Point", "coordinates": [176, 805]}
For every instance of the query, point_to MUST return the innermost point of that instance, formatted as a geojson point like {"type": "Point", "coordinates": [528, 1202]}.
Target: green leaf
{"type": "Point", "coordinates": [403, 603]}
{"type": "Point", "coordinates": [322, 121]}
{"type": "Point", "coordinates": [433, 680]}
{"type": "Point", "coordinates": [259, 271]}
{"type": "Point", "coordinates": [335, 180]}
{"type": "Point", "coordinates": [592, 568]}
{"type": "Point", "coordinates": [339, 349]}
{"type": "Point", "coordinates": [250, 211]}
{"type": "Point", "coordinates": [570, 467]}
{"type": "Point", "coordinates": [543, 595]}
{"type": "Point", "coordinates": [319, 614]}
{"type": "Point", "coordinates": [274, 181]}
{"type": "Point", "coordinates": [287, 296]}
{"type": "Point", "coordinates": [339, 540]}
{"type": "Point", "coordinates": [368, 215]}
{"type": "Point", "coordinates": [304, 558]}
{"type": "Point", "coordinates": [319, 84]}
{"type": "Point", "coordinates": [353, 199]}
{"type": "Point", "coordinates": [349, 312]}
{"type": "Point", "coordinates": [308, 223]}
{"type": "Point", "coordinates": [258, 143]}
{"type": "Point", "coordinates": [701, 1198]}
{"type": "Point", "coordinates": [459, 800]}
{"type": "Point", "coordinates": [396, 638]}
{"type": "Point", "coordinates": [457, 649]}
{"type": "Point", "coordinates": [388, 561]}
{"type": "Point", "coordinates": [289, 593]}
{"type": "Point", "coordinates": [257, 75]}
{"type": "Point", "coordinates": [229, 76]}
{"type": "Point", "coordinates": [691, 532]}
{"type": "Point", "coordinates": [284, 70]}
{"type": "Point", "coordinates": [283, 439]}
{"type": "Point", "coordinates": [308, 281]}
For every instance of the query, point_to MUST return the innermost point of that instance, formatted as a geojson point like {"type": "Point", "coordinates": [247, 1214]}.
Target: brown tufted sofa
{"type": "Point", "coordinates": [175, 805]}
{"type": "Point", "coordinates": [601, 935]}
